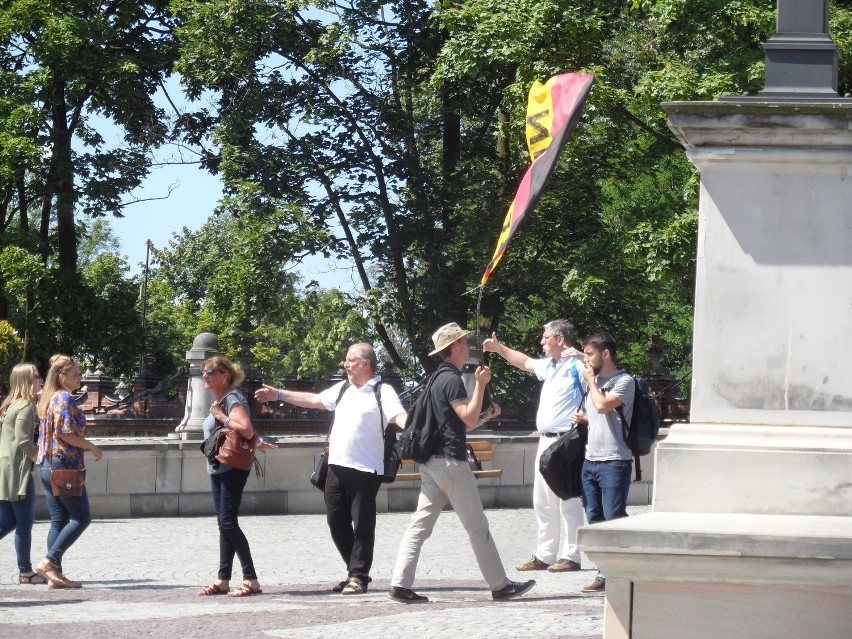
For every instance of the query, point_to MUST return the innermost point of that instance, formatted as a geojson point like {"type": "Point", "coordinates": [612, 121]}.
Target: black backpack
{"type": "Point", "coordinates": [644, 426]}
{"type": "Point", "coordinates": [420, 436]}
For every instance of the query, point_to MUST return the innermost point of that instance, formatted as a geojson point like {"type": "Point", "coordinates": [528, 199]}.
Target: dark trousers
{"type": "Point", "coordinates": [227, 495]}
{"type": "Point", "coordinates": [350, 507]}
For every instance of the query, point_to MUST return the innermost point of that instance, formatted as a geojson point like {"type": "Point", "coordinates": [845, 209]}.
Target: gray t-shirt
{"type": "Point", "coordinates": [606, 434]}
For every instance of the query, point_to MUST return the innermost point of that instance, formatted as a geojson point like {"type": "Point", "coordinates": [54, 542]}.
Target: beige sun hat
{"type": "Point", "coordinates": [446, 335]}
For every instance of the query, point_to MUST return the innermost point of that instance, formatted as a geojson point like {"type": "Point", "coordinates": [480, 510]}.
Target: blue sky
{"type": "Point", "coordinates": [193, 198]}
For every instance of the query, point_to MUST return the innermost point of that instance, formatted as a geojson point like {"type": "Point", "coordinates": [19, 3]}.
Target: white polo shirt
{"type": "Point", "coordinates": [561, 394]}
{"type": "Point", "coordinates": [356, 435]}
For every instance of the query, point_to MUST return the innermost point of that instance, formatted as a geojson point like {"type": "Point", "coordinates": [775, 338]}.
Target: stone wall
{"type": "Point", "coordinates": [161, 477]}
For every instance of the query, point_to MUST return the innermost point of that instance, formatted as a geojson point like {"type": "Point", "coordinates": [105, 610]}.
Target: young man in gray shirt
{"type": "Point", "coordinates": [609, 461]}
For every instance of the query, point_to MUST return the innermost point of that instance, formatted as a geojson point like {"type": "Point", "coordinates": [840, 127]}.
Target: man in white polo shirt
{"type": "Point", "coordinates": [561, 395]}
{"type": "Point", "coordinates": [355, 457]}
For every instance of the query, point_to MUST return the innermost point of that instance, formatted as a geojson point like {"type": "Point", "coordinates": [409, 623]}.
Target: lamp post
{"type": "Point", "coordinates": [148, 247]}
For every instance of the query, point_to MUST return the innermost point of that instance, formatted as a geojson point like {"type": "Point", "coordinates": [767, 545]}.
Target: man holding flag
{"type": "Point", "coordinates": [561, 396]}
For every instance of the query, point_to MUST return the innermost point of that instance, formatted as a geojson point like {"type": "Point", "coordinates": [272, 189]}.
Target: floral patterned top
{"type": "Point", "coordinates": [62, 417]}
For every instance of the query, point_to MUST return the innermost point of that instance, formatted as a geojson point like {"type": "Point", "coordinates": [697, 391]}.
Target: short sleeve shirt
{"type": "Point", "coordinates": [62, 417]}
{"type": "Point", "coordinates": [356, 439]}
{"type": "Point", "coordinates": [233, 397]}
{"type": "Point", "coordinates": [561, 394]}
{"type": "Point", "coordinates": [606, 433]}
{"type": "Point", "coordinates": [448, 389]}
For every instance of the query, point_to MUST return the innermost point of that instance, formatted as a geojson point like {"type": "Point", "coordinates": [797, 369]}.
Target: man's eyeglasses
{"type": "Point", "coordinates": [207, 372]}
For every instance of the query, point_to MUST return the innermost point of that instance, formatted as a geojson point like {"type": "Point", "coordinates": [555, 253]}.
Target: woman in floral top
{"type": "Point", "coordinates": [61, 444]}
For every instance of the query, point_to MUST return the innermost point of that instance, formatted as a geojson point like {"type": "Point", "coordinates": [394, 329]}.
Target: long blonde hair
{"type": "Point", "coordinates": [59, 365]}
{"type": "Point", "coordinates": [20, 385]}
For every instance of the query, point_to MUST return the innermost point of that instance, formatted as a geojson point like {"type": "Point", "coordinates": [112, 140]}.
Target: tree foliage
{"type": "Point", "coordinates": [230, 278]}
{"type": "Point", "coordinates": [390, 134]}
{"type": "Point", "coordinates": [65, 68]}
{"type": "Point", "coordinates": [371, 128]}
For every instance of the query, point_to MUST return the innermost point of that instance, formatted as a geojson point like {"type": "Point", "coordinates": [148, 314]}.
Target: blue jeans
{"type": "Point", "coordinates": [605, 488]}
{"type": "Point", "coordinates": [19, 515]}
{"type": "Point", "coordinates": [69, 516]}
{"type": "Point", "coordinates": [227, 495]}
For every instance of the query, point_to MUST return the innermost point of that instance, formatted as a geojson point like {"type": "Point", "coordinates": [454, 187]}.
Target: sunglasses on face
{"type": "Point", "coordinates": [207, 372]}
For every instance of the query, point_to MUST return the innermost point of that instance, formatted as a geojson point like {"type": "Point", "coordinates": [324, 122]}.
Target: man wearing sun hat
{"type": "Point", "coordinates": [446, 476]}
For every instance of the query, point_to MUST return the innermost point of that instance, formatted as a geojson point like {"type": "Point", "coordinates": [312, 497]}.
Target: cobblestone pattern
{"type": "Point", "coordinates": [141, 577]}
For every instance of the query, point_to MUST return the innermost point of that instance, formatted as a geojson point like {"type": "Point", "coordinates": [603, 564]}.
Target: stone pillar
{"type": "Point", "coordinates": [751, 533]}
{"type": "Point", "coordinates": [98, 383]}
{"type": "Point", "coordinates": [198, 399]}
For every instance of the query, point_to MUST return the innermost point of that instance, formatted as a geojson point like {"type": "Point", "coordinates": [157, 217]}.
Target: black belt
{"type": "Point", "coordinates": [559, 434]}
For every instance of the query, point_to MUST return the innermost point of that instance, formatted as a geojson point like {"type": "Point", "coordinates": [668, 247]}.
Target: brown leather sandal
{"type": "Point", "coordinates": [212, 589]}
{"type": "Point", "coordinates": [245, 589]}
{"type": "Point", "coordinates": [48, 570]}
{"type": "Point", "coordinates": [63, 582]}
{"type": "Point", "coordinates": [32, 578]}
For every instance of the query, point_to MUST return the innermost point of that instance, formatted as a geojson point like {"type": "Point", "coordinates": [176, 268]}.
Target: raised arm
{"type": "Point", "coordinates": [469, 410]}
{"type": "Point", "coordinates": [515, 358]}
{"type": "Point", "coordinates": [267, 393]}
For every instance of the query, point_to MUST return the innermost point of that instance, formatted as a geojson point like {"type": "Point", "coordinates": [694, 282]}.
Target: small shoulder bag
{"type": "Point", "coordinates": [320, 473]}
{"type": "Point", "coordinates": [64, 482]}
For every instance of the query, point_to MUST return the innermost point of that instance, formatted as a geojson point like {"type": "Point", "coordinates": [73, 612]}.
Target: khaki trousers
{"type": "Point", "coordinates": [444, 480]}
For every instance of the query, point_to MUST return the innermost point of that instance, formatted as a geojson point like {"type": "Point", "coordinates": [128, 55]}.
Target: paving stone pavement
{"type": "Point", "coordinates": [141, 578]}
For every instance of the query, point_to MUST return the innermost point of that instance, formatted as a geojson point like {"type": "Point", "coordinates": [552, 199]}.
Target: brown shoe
{"type": "Point", "coordinates": [598, 584]}
{"type": "Point", "coordinates": [533, 564]}
{"type": "Point", "coordinates": [63, 582]}
{"type": "Point", "coordinates": [49, 570]}
{"type": "Point", "coordinates": [564, 565]}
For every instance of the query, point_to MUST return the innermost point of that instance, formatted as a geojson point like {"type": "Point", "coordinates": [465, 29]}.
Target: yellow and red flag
{"type": "Point", "coordinates": [553, 110]}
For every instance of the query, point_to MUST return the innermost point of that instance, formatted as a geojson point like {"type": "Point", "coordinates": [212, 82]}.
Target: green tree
{"type": "Point", "coordinates": [376, 122]}
{"type": "Point", "coordinates": [112, 332]}
{"type": "Point", "coordinates": [328, 115]}
{"type": "Point", "coordinates": [62, 67]}
{"type": "Point", "coordinates": [11, 352]}
{"type": "Point", "coordinates": [230, 278]}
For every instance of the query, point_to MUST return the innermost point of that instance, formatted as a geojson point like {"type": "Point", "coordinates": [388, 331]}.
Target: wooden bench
{"type": "Point", "coordinates": [483, 451]}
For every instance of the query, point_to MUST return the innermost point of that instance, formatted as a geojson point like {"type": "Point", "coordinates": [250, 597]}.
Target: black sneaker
{"type": "Point", "coordinates": [406, 595]}
{"type": "Point", "coordinates": [512, 589]}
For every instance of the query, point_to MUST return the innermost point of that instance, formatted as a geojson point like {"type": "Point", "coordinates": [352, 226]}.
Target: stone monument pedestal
{"type": "Point", "coordinates": [750, 534]}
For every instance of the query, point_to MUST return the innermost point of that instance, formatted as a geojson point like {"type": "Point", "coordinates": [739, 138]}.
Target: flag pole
{"type": "Point", "coordinates": [478, 336]}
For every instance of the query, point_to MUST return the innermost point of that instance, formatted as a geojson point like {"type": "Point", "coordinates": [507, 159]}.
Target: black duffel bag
{"type": "Point", "coordinates": [562, 463]}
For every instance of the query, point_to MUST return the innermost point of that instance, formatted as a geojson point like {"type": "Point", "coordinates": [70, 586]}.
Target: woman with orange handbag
{"type": "Point", "coordinates": [222, 377]}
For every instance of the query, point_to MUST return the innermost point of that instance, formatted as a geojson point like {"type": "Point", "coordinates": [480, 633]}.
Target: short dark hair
{"type": "Point", "coordinates": [445, 352]}
{"type": "Point", "coordinates": [602, 342]}
{"type": "Point", "coordinates": [563, 328]}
